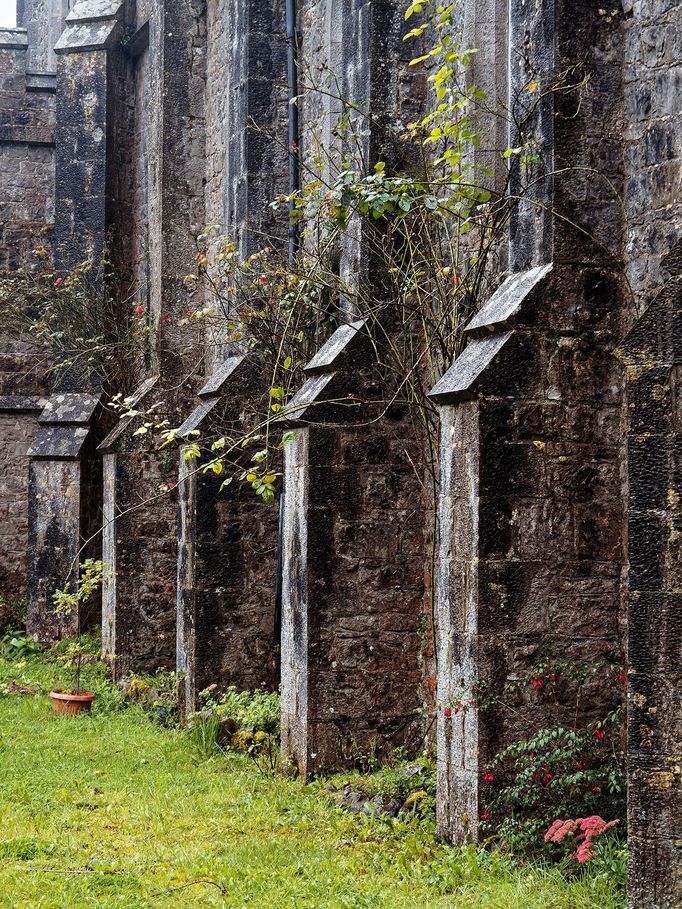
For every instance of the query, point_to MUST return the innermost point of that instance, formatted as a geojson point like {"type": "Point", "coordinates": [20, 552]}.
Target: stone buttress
{"type": "Point", "coordinates": [64, 494]}
{"type": "Point", "coordinates": [27, 152]}
{"type": "Point", "coordinates": [353, 529]}
{"type": "Point", "coordinates": [353, 565]}
{"type": "Point", "coordinates": [653, 357]}
{"type": "Point", "coordinates": [166, 202]}
{"type": "Point", "coordinates": [228, 538]}
{"type": "Point", "coordinates": [530, 513]}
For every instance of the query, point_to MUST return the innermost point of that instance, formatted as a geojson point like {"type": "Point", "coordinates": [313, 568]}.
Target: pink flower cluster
{"type": "Point", "coordinates": [585, 830]}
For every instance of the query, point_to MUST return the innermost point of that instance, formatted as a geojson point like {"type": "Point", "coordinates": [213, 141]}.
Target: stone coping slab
{"type": "Point", "coordinates": [69, 407]}
{"type": "Point", "coordinates": [58, 442]}
{"type": "Point", "coordinates": [94, 10]}
{"type": "Point", "coordinates": [505, 303]}
{"type": "Point", "coordinates": [339, 344]}
{"type": "Point", "coordinates": [88, 37]}
{"type": "Point", "coordinates": [296, 412]}
{"type": "Point", "coordinates": [13, 38]}
{"type": "Point", "coordinates": [197, 416]}
{"type": "Point", "coordinates": [217, 379]}
{"type": "Point", "coordinates": [110, 441]}
{"type": "Point", "coordinates": [459, 382]}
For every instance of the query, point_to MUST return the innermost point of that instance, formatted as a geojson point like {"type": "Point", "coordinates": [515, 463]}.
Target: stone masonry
{"type": "Point", "coordinates": [126, 126]}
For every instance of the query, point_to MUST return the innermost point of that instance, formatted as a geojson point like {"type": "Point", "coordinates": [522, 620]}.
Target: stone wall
{"type": "Point", "coordinates": [653, 355]}
{"type": "Point", "coordinates": [27, 120]}
{"type": "Point", "coordinates": [652, 77]}
{"type": "Point", "coordinates": [154, 139]}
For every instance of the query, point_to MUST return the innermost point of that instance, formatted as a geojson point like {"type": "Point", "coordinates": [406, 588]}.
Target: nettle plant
{"type": "Point", "coordinates": [568, 760]}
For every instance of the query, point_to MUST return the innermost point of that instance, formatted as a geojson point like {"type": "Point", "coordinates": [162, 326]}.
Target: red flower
{"type": "Point", "coordinates": [537, 683]}
{"type": "Point", "coordinates": [622, 678]}
{"type": "Point", "coordinates": [580, 766]}
{"type": "Point", "coordinates": [170, 587]}
{"type": "Point", "coordinates": [598, 734]}
{"type": "Point", "coordinates": [139, 310]}
{"type": "Point", "coordinates": [485, 815]}
{"type": "Point", "coordinates": [58, 282]}
{"type": "Point", "coordinates": [447, 712]}
{"type": "Point", "coordinates": [488, 776]}
{"type": "Point", "coordinates": [595, 789]}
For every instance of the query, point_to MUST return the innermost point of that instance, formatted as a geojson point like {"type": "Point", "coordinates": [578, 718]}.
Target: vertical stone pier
{"type": "Point", "coordinates": [64, 483]}
{"type": "Point", "coordinates": [227, 550]}
{"type": "Point", "coordinates": [65, 473]}
{"type": "Point", "coordinates": [353, 566]}
{"type": "Point", "coordinates": [27, 112]}
{"type": "Point", "coordinates": [167, 146]}
{"type": "Point", "coordinates": [653, 357]}
{"type": "Point", "coordinates": [530, 515]}
{"type": "Point", "coordinates": [227, 544]}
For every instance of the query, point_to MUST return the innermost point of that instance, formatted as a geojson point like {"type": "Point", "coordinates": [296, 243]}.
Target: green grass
{"type": "Point", "coordinates": [113, 810]}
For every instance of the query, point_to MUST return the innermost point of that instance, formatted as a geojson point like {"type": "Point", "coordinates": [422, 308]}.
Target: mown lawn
{"type": "Point", "coordinates": [113, 810]}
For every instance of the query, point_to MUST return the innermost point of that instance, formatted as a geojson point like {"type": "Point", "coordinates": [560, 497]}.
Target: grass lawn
{"type": "Point", "coordinates": [113, 810]}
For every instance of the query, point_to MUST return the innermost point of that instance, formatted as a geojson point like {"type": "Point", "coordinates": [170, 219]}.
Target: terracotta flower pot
{"type": "Point", "coordinates": [66, 702]}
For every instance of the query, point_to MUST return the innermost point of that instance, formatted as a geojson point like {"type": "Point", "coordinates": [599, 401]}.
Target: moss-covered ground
{"type": "Point", "coordinates": [113, 810]}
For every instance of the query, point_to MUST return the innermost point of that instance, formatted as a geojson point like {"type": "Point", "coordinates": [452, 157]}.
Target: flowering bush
{"type": "Point", "coordinates": [572, 765]}
{"type": "Point", "coordinates": [79, 321]}
{"type": "Point", "coordinates": [583, 831]}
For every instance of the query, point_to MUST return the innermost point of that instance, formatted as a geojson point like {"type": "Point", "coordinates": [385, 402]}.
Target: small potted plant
{"type": "Point", "coordinates": [75, 700]}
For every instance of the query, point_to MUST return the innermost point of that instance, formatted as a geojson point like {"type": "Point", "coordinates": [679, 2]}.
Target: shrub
{"type": "Point", "coordinates": [571, 767]}
{"type": "Point", "coordinates": [12, 614]}
{"type": "Point", "coordinates": [246, 721]}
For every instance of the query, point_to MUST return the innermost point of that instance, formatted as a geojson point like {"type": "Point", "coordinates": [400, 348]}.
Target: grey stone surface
{"type": "Point", "coordinates": [137, 399]}
{"type": "Point", "coordinates": [505, 303]}
{"type": "Point", "coordinates": [41, 82]}
{"type": "Point", "coordinates": [13, 38]}
{"type": "Point", "coordinates": [58, 442]}
{"type": "Point", "coordinates": [459, 382]}
{"type": "Point", "coordinates": [93, 10]}
{"type": "Point", "coordinates": [341, 344]}
{"type": "Point", "coordinates": [87, 37]}
{"type": "Point", "coordinates": [195, 419]}
{"type": "Point", "coordinates": [301, 408]}
{"type": "Point", "coordinates": [220, 376]}
{"type": "Point", "coordinates": [69, 407]}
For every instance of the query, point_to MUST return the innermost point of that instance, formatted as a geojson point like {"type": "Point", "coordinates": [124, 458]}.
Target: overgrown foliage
{"type": "Point", "coordinates": [139, 822]}
{"type": "Point", "coordinates": [567, 759]}
{"type": "Point", "coordinates": [82, 321]}
{"type": "Point", "coordinates": [245, 721]}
